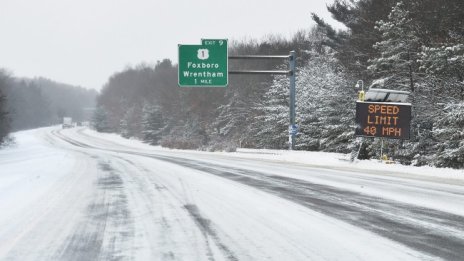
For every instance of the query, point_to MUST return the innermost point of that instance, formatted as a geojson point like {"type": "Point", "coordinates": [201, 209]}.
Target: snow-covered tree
{"type": "Point", "coordinates": [399, 48]}
{"type": "Point", "coordinates": [153, 124]}
{"type": "Point", "coordinates": [99, 120]}
{"type": "Point", "coordinates": [131, 122]}
{"type": "Point", "coordinates": [354, 47]}
{"type": "Point", "coordinates": [449, 130]}
{"type": "Point", "coordinates": [124, 126]}
{"type": "Point", "coordinates": [446, 62]}
{"type": "Point", "coordinates": [271, 125]}
{"type": "Point", "coordinates": [232, 117]}
{"type": "Point", "coordinates": [397, 68]}
{"type": "Point", "coordinates": [325, 105]}
{"type": "Point", "coordinates": [4, 121]}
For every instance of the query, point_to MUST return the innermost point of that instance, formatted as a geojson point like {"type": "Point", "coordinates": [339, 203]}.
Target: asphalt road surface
{"type": "Point", "coordinates": [115, 201]}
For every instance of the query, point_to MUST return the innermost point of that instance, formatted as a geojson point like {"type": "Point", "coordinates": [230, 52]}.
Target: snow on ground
{"type": "Point", "coordinates": [26, 170]}
{"type": "Point", "coordinates": [169, 209]}
{"type": "Point", "coordinates": [316, 159]}
{"type": "Point", "coordinates": [33, 178]}
{"type": "Point", "coordinates": [256, 225]}
{"type": "Point", "coordinates": [429, 187]}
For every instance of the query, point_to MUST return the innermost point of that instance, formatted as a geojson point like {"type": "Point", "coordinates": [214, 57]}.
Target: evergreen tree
{"type": "Point", "coordinates": [231, 124]}
{"type": "Point", "coordinates": [439, 23]}
{"type": "Point", "coordinates": [124, 127]}
{"type": "Point", "coordinates": [397, 65]}
{"type": "Point", "coordinates": [153, 124]}
{"type": "Point", "coordinates": [131, 122]}
{"type": "Point", "coordinates": [4, 120]}
{"type": "Point", "coordinates": [447, 63]}
{"type": "Point", "coordinates": [354, 46]}
{"type": "Point", "coordinates": [271, 126]}
{"type": "Point", "coordinates": [449, 130]}
{"type": "Point", "coordinates": [99, 120]}
{"type": "Point", "coordinates": [325, 105]}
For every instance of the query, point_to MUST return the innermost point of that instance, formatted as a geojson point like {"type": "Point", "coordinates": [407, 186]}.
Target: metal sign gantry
{"type": "Point", "coordinates": [206, 65]}
{"type": "Point", "coordinates": [291, 73]}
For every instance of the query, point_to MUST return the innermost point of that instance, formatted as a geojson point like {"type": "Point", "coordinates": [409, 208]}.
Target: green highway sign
{"type": "Point", "coordinates": [204, 65]}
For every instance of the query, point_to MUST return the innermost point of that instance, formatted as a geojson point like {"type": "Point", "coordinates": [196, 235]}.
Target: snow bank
{"type": "Point", "coordinates": [314, 159]}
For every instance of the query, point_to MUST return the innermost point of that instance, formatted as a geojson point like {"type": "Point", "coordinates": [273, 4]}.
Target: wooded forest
{"type": "Point", "coordinates": [32, 103]}
{"type": "Point", "coordinates": [414, 45]}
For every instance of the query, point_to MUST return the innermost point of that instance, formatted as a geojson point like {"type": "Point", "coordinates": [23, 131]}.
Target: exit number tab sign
{"type": "Point", "coordinates": [204, 65]}
{"type": "Point", "coordinates": [383, 119]}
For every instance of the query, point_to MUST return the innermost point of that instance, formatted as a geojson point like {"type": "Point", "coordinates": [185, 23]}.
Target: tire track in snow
{"type": "Point", "coordinates": [430, 231]}
{"type": "Point", "coordinates": [207, 229]}
{"type": "Point", "coordinates": [205, 226]}
{"type": "Point", "coordinates": [107, 225]}
{"type": "Point", "coordinates": [191, 209]}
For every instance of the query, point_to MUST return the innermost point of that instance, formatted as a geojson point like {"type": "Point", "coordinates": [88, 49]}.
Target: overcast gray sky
{"type": "Point", "coordinates": [83, 42]}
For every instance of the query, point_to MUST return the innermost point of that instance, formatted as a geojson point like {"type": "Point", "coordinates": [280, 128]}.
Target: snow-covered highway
{"type": "Point", "coordinates": [75, 194]}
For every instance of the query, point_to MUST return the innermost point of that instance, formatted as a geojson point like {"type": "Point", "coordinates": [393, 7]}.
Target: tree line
{"type": "Point", "coordinates": [32, 103]}
{"type": "Point", "coordinates": [415, 45]}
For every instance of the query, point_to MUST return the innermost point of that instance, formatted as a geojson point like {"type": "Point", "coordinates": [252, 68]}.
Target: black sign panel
{"type": "Point", "coordinates": [382, 119]}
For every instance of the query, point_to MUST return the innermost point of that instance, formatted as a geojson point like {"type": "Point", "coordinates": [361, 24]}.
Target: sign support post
{"type": "Point", "coordinates": [292, 98]}
{"type": "Point", "coordinates": [381, 148]}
